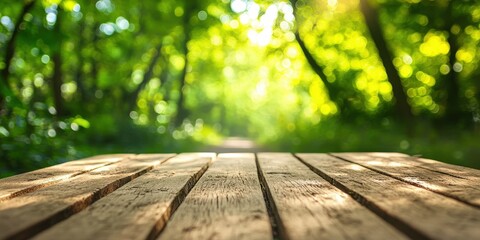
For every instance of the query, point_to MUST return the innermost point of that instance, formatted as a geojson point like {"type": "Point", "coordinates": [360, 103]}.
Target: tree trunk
{"type": "Point", "coordinates": [164, 79]}
{"type": "Point", "coordinates": [181, 111]}
{"type": "Point", "coordinates": [93, 58]}
{"type": "Point", "coordinates": [316, 67]}
{"type": "Point", "coordinates": [402, 108]}
{"type": "Point", "coordinates": [166, 84]}
{"type": "Point", "coordinates": [57, 78]}
{"type": "Point", "coordinates": [452, 108]}
{"type": "Point", "coordinates": [146, 77]}
{"type": "Point", "coordinates": [5, 90]}
{"type": "Point", "coordinates": [79, 77]}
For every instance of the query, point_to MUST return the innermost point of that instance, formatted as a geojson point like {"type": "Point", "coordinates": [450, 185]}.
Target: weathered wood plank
{"type": "Point", "coordinates": [454, 170]}
{"type": "Point", "coordinates": [139, 209]}
{"type": "Point", "coordinates": [433, 165]}
{"type": "Point", "coordinates": [31, 181]}
{"type": "Point", "coordinates": [382, 154]}
{"type": "Point", "coordinates": [226, 203]}
{"type": "Point", "coordinates": [309, 207]}
{"type": "Point", "coordinates": [30, 213]}
{"type": "Point", "coordinates": [428, 174]}
{"type": "Point", "coordinates": [417, 211]}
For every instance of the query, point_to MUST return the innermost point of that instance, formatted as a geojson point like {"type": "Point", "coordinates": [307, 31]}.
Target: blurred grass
{"type": "Point", "coordinates": [455, 146]}
{"type": "Point", "coordinates": [450, 146]}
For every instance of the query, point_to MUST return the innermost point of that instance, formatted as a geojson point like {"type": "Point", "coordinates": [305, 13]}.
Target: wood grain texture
{"type": "Point", "coordinates": [226, 203]}
{"type": "Point", "coordinates": [311, 208]}
{"type": "Point", "coordinates": [455, 170]}
{"type": "Point", "coordinates": [453, 181]}
{"type": "Point", "coordinates": [27, 182]}
{"type": "Point", "coordinates": [139, 209]}
{"type": "Point", "coordinates": [30, 213]}
{"type": "Point", "coordinates": [422, 212]}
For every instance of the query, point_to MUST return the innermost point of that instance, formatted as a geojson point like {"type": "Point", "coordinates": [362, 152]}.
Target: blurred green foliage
{"type": "Point", "coordinates": [84, 77]}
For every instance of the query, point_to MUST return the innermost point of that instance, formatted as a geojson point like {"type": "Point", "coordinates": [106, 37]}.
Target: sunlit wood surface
{"type": "Point", "coordinates": [243, 196]}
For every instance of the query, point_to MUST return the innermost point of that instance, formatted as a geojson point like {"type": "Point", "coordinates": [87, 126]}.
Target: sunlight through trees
{"type": "Point", "coordinates": [79, 77]}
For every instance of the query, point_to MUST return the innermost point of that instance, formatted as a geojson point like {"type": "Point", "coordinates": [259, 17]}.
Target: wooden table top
{"type": "Point", "coordinates": [243, 196]}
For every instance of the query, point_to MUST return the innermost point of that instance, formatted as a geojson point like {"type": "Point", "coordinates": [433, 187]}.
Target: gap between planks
{"type": "Point", "coordinates": [463, 189]}
{"type": "Point", "coordinates": [17, 185]}
{"type": "Point", "coordinates": [392, 220]}
{"type": "Point", "coordinates": [398, 199]}
{"type": "Point", "coordinates": [141, 208]}
{"type": "Point", "coordinates": [309, 207]}
{"type": "Point", "coordinates": [226, 203]}
{"type": "Point", "coordinates": [25, 216]}
{"type": "Point", "coordinates": [275, 221]}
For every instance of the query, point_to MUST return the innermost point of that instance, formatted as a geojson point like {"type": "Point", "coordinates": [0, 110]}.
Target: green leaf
{"type": "Point", "coordinates": [82, 122]}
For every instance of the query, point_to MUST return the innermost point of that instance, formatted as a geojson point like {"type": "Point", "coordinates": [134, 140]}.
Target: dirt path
{"type": "Point", "coordinates": [235, 144]}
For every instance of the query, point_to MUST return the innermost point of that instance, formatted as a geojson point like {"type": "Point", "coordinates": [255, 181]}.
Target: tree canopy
{"type": "Point", "coordinates": [84, 77]}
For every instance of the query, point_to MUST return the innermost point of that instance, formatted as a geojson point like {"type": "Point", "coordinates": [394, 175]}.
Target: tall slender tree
{"type": "Point", "coordinates": [146, 77]}
{"type": "Point", "coordinates": [57, 78]}
{"type": "Point", "coordinates": [5, 90]}
{"type": "Point", "coordinates": [452, 105]}
{"type": "Point", "coordinates": [402, 107]}
{"type": "Point", "coordinates": [189, 8]}
{"type": "Point", "coordinates": [316, 67]}
{"type": "Point", "coordinates": [79, 75]}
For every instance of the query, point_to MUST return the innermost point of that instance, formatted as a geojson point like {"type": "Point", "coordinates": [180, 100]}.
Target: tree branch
{"type": "Point", "coordinates": [146, 77]}
{"type": "Point", "coordinates": [371, 18]}
{"type": "Point", "coordinates": [5, 90]}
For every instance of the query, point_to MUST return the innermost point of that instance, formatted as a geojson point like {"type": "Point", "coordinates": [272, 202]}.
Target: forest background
{"type": "Point", "coordinates": [81, 78]}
